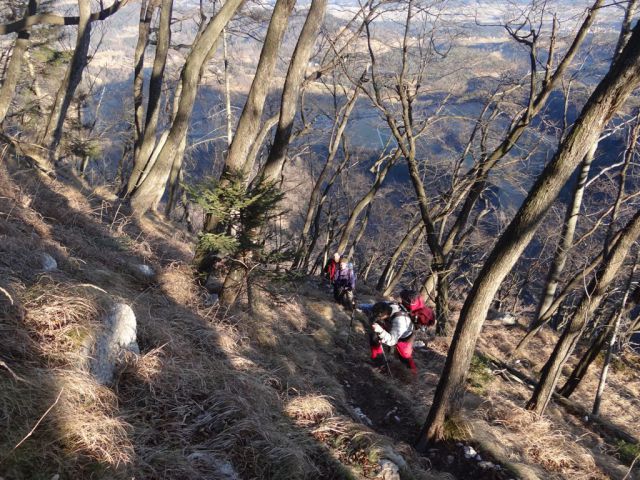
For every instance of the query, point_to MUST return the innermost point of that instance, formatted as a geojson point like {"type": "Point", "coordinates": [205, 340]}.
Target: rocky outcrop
{"type": "Point", "coordinates": [117, 338]}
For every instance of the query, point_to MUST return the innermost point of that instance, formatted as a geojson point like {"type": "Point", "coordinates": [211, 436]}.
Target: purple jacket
{"type": "Point", "coordinates": [345, 278]}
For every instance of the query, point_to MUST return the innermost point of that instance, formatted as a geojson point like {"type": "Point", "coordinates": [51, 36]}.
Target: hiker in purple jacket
{"type": "Point", "coordinates": [344, 283]}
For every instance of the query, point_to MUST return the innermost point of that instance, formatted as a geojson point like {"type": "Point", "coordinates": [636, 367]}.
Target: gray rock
{"type": "Point", "coordinates": [485, 465]}
{"type": "Point", "coordinates": [146, 270]}
{"type": "Point", "coordinates": [362, 417]}
{"type": "Point", "coordinates": [117, 338]}
{"type": "Point", "coordinates": [211, 300]}
{"type": "Point", "coordinates": [143, 273]}
{"type": "Point", "coordinates": [222, 469]}
{"type": "Point", "coordinates": [469, 452]}
{"type": "Point", "coordinates": [388, 470]}
{"type": "Point", "coordinates": [48, 263]}
{"type": "Point", "coordinates": [450, 459]}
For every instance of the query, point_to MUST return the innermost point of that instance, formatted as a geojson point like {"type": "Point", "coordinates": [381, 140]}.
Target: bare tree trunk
{"type": "Point", "coordinates": [395, 279]}
{"type": "Point", "coordinates": [175, 177]}
{"type": "Point", "coordinates": [249, 121]}
{"type": "Point", "coordinates": [53, 132]}
{"type": "Point", "coordinates": [317, 188]}
{"type": "Point", "coordinates": [366, 200]}
{"type": "Point", "coordinates": [612, 341]}
{"type": "Point", "coordinates": [227, 89]}
{"type": "Point", "coordinates": [236, 163]}
{"type": "Point", "coordinates": [361, 230]}
{"type": "Point", "coordinates": [416, 229]}
{"type": "Point", "coordinates": [291, 91]}
{"type": "Point", "coordinates": [581, 368]}
{"type": "Point", "coordinates": [562, 251]}
{"type": "Point", "coordinates": [608, 96]}
{"type": "Point", "coordinates": [148, 141]}
{"type": "Point", "coordinates": [589, 303]}
{"type": "Point", "coordinates": [150, 190]}
{"type": "Point", "coordinates": [14, 67]}
{"type": "Point", "coordinates": [144, 27]}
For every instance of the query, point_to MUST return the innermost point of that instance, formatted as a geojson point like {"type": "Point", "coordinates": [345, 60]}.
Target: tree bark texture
{"type": "Point", "coordinates": [249, 122]}
{"type": "Point", "coordinates": [14, 67]}
{"type": "Point", "coordinates": [589, 303]}
{"type": "Point", "coordinates": [144, 27]}
{"type": "Point", "coordinates": [597, 345]}
{"type": "Point", "coordinates": [150, 190]}
{"type": "Point", "coordinates": [291, 91]}
{"type": "Point", "coordinates": [562, 250]}
{"type": "Point", "coordinates": [53, 132]}
{"type": "Point", "coordinates": [607, 98]}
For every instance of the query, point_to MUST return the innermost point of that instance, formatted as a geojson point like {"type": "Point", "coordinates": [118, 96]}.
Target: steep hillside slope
{"type": "Point", "coordinates": [279, 389]}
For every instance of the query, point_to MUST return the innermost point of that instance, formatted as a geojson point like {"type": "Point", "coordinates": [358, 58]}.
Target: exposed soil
{"type": "Point", "coordinates": [390, 415]}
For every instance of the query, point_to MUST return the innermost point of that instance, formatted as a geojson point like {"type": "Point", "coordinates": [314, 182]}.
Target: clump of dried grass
{"type": "Point", "coordinates": [544, 443]}
{"type": "Point", "coordinates": [61, 317]}
{"type": "Point", "coordinates": [176, 280]}
{"type": "Point", "coordinates": [309, 409]}
{"type": "Point", "coordinates": [88, 422]}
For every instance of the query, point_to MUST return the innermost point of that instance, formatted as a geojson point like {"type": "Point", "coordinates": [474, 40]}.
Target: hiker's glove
{"type": "Point", "coordinates": [380, 332]}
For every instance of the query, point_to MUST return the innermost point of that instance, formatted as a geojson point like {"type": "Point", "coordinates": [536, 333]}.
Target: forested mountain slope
{"type": "Point", "coordinates": [278, 389]}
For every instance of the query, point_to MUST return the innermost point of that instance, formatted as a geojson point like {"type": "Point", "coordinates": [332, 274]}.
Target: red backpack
{"type": "Point", "coordinates": [418, 311]}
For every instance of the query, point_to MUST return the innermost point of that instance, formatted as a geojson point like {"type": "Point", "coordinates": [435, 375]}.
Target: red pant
{"type": "Point", "coordinates": [404, 349]}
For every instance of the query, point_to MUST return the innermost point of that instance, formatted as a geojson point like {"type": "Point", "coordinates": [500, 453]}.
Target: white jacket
{"type": "Point", "coordinates": [398, 327]}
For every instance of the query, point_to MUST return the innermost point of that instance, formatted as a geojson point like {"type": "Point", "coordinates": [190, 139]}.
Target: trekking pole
{"type": "Point", "coordinates": [386, 362]}
{"type": "Point", "coordinates": [353, 314]}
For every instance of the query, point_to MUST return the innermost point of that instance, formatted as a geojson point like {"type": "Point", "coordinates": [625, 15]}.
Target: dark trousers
{"type": "Point", "coordinates": [343, 296]}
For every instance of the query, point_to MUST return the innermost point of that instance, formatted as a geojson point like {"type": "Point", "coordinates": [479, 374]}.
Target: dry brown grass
{"type": "Point", "coordinates": [541, 442]}
{"type": "Point", "coordinates": [251, 391]}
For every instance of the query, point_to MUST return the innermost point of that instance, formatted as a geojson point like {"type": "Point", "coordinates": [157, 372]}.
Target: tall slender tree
{"type": "Point", "coordinates": [612, 91]}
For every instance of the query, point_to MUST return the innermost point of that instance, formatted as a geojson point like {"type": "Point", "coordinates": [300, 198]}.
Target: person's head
{"type": "Point", "coordinates": [381, 311]}
{"type": "Point", "coordinates": [336, 257]}
{"type": "Point", "coordinates": [344, 262]}
{"type": "Point", "coordinates": [407, 297]}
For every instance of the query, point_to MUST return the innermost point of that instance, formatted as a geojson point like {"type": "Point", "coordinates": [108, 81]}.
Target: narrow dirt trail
{"type": "Point", "coordinates": [385, 403]}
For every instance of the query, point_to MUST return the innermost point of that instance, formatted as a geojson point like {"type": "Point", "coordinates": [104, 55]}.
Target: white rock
{"type": "Point", "coordinates": [118, 337]}
{"type": "Point", "coordinates": [146, 270]}
{"type": "Point", "coordinates": [469, 452]}
{"type": "Point", "coordinates": [419, 344]}
{"type": "Point", "coordinates": [485, 465]}
{"type": "Point", "coordinates": [478, 458]}
{"type": "Point", "coordinates": [389, 470]}
{"type": "Point", "coordinates": [47, 262]}
{"type": "Point", "coordinates": [390, 454]}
